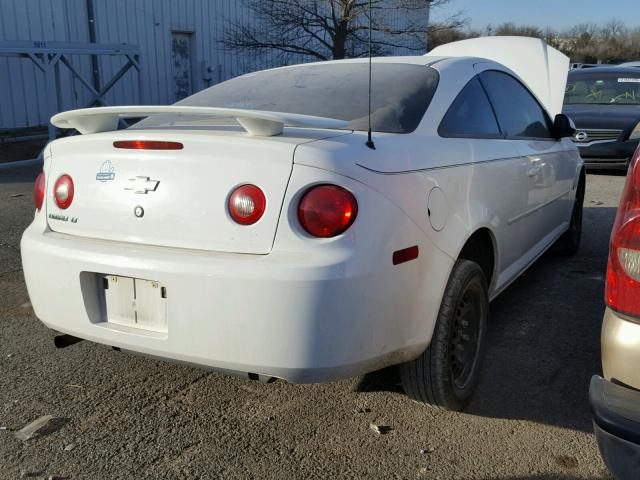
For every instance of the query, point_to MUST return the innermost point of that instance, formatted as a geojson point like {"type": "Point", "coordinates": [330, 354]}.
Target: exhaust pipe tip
{"type": "Point", "coordinates": [256, 377]}
{"type": "Point", "coordinates": [64, 341]}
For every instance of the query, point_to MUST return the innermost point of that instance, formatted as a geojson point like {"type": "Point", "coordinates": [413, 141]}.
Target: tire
{"type": "Point", "coordinates": [440, 377]}
{"type": "Point", "coordinates": [569, 243]}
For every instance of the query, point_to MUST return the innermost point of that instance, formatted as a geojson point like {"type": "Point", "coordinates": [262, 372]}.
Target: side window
{"type": "Point", "coordinates": [470, 115]}
{"type": "Point", "coordinates": [519, 113]}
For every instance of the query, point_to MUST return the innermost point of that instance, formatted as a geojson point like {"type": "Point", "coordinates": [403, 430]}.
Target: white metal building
{"type": "Point", "coordinates": [179, 44]}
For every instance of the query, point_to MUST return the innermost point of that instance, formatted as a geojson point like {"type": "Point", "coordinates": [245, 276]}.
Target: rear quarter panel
{"type": "Point", "coordinates": [399, 302]}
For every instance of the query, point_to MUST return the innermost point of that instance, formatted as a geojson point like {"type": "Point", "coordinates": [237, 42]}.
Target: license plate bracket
{"type": "Point", "coordinates": [134, 302]}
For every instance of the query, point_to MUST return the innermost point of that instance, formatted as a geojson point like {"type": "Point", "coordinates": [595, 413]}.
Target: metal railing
{"type": "Point", "coordinates": [50, 56]}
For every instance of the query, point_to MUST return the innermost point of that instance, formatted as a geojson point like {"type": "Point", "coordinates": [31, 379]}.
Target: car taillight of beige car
{"type": "Point", "coordinates": [615, 399]}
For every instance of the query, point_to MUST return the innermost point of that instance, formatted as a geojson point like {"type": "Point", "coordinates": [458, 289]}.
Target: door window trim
{"type": "Point", "coordinates": [473, 136]}
{"type": "Point", "coordinates": [544, 111]}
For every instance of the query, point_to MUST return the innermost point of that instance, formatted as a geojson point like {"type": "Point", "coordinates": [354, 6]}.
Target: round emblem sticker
{"type": "Point", "coordinates": [582, 136]}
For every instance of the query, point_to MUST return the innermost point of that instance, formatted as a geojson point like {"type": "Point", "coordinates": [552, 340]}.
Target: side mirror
{"type": "Point", "coordinates": [563, 127]}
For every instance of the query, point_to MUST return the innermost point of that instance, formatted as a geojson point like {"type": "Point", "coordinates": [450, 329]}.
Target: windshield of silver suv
{"type": "Point", "coordinates": [595, 87]}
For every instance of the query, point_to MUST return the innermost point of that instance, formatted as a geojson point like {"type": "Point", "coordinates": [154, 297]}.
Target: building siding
{"type": "Point", "coordinates": [146, 23]}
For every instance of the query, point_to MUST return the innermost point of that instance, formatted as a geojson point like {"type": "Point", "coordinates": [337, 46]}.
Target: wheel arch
{"type": "Point", "coordinates": [481, 247]}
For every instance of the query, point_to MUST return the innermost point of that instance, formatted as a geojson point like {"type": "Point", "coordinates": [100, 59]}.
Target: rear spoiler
{"type": "Point", "coordinates": [255, 122]}
{"type": "Point", "coordinates": [542, 68]}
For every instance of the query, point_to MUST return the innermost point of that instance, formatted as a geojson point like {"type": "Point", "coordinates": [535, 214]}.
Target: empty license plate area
{"type": "Point", "coordinates": [137, 303]}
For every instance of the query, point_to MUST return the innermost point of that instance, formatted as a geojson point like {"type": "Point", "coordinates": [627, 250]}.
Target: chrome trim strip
{"type": "Point", "coordinates": [607, 130]}
{"type": "Point", "coordinates": [595, 142]}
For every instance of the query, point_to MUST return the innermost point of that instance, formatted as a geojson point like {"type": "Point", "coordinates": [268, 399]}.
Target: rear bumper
{"type": "Point", "coordinates": [301, 318]}
{"type": "Point", "coordinates": [621, 349]}
{"type": "Point", "coordinates": [616, 415]}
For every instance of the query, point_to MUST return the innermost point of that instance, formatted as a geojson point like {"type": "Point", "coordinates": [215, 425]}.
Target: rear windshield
{"type": "Point", "coordinates": [603, 88]}
{"type": "Point", "coordinates": [401, 94]}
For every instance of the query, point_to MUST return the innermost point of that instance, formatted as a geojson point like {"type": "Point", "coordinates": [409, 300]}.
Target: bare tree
{"type": "Point", "coordinates": [509, 28]}
{"type": "Point", "coordinates": [439, 35]}
{"type": "Point", "coordinates": [612, 42]}
{"type": "Point", "coordinates": [335, 29]}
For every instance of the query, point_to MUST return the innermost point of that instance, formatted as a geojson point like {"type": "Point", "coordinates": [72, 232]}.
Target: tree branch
{"type": "Point", "coordinates": [323, 29]}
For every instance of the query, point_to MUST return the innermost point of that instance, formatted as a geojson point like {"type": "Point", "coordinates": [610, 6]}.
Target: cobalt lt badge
{"type": "Point", "coordinates": [107, 172]}
{"type": "Point", "coordinates": [138, 211]}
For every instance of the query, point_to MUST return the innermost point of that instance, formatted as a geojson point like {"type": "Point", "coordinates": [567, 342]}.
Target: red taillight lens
{"type": "Point", "coordinates": [327, 210]}
{"type": "Point", "coordinates": [247, 204]}
{"type": "Point", "coordinates": [38, 191]}
{"type": "Point", "coordinates": [623, 271]}
{"type": "Point", "coordinates": [148, 145]}
{"type": "Point", "coordinates": [63, 191]}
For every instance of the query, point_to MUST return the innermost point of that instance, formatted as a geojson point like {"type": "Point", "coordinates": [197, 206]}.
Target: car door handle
{"type": "Point", "coordinates": [533, 171]}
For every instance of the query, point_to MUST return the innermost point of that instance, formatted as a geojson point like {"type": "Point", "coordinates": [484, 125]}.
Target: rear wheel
{"type": "Point", "coordinates": [446, 374]}
{"type": "Point", "coordinates": [569, 242]}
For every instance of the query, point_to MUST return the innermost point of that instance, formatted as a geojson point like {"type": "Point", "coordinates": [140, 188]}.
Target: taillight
{"type": "Point", "coordinates": [38, 191]}
{"type": "Point", "coordinates": [247, 204]}
{"type": "Point", "coordinates": [148, 145]}
{"type": "Point", "coordinates": [623, 271]}
{"type": "Point", "coordinates": [63, 191]}
{"type": "Point", "coordinates": [327, 210]}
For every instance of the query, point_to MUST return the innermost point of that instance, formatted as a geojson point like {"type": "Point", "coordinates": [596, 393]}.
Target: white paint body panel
{"type": "Point", "coordinates": [300, 313]}
{"type": "Point", "coordinates": [194, 183]}
{"type": "Point", "coordinates": [269, 299]}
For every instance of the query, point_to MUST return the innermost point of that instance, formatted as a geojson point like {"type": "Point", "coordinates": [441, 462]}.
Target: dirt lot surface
{"type": "Point", "coordinates": [119, 416]}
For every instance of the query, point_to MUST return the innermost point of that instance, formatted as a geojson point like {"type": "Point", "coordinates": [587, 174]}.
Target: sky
{"type": "Point", "coordinates": [558, 14]}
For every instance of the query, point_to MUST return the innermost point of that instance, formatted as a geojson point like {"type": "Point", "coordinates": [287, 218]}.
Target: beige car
{"type": "Point", "coordinates": [615, 399]}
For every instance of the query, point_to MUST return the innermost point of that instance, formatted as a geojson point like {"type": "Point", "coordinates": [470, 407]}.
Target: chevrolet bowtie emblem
{"type": "Point", "coordinates": [142, 185]}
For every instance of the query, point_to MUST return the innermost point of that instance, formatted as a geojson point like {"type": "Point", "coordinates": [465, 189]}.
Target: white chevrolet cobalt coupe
{"type": "Point", "coordinates": [253, 229]}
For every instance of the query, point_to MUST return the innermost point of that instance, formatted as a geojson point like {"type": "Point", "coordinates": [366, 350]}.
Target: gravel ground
{"type": "Point", "coordinates": [122, 416]}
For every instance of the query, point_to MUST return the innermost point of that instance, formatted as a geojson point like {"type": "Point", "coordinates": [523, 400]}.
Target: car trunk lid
{"type": "Point", "coordinates": [173, 198]}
